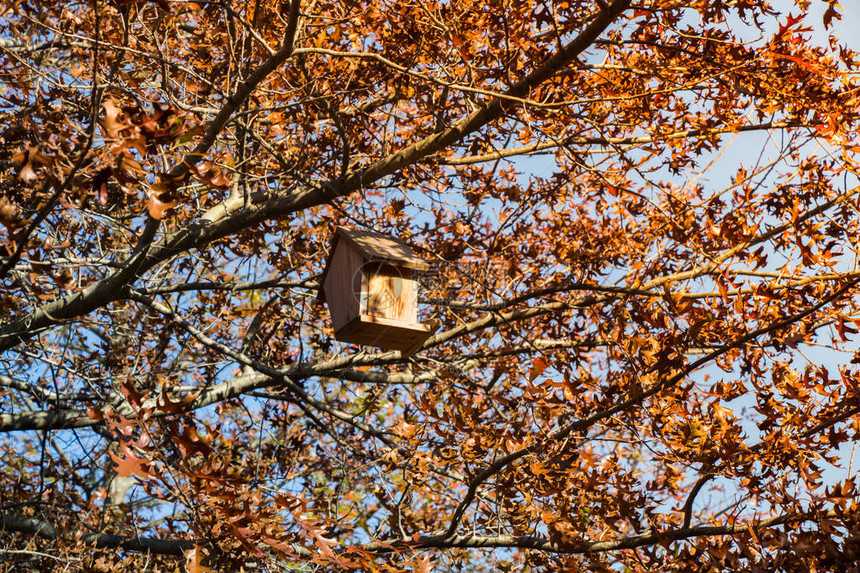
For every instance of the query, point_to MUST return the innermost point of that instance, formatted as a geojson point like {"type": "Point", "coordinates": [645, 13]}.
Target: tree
{"type": "Point", "coordinates": [642, 222]}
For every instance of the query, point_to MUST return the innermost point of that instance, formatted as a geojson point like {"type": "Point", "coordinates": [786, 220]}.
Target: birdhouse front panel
{"type": "Point", "coordinates": [391, 292]}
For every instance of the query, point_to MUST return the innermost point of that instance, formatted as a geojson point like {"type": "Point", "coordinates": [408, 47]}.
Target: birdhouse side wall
{"type": "Point", "coordinates": [390, 292]}
{"type": "Point", "coordinates": [343, 284]}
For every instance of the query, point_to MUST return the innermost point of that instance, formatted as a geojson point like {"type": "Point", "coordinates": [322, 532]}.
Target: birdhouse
{"type": "Point", "coordinates": [371, 288]}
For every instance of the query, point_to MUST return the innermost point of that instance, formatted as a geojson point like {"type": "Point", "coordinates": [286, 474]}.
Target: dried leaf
{"type": "Point", "coordinates": [194, 561]}
{"type": "Point", "coordinates": [538, 366]}
{"type": "Point", "coordinates": [157, 208]}
{"type": "Point", "coordinates": [112, 122]}
{"type": "Point", "coordinates": [129, 464]}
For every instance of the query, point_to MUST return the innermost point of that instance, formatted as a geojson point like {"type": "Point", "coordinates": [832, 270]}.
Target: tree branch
{"type": "Point", "coordinates": [585, 547]}
{"type": "Point", "coordinates": [609, 141]}
{"type": "Point", "coordinates": [28, 525]}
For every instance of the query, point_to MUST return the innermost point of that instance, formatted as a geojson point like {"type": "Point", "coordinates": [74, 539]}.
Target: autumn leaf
{"type": "Point", "coordinates": [191, 443]}
{"type": "Point", "coordinates": [10, 215]}
{"type": "Point", "coordinates": [722, 414]}
{"type": "Point", "coordinates": [166, 404]}
{"type": "Point", "coordinates": [157, 208]}
{"type": "Point", "coordinates": [423, 565]}
{"type": "Point", "coordinates": [539, 365]}
{"type": "Point", "coordinates": [126, 163]}
{"type": "Point", "coordinates": [163, 4]}
{"type": "Point", "coordinates": [134, 397]}
{"type": "Point", "coordinates": [831, 13]}
{"type": "Point", "coordinates": [194, 558]}
{"type": "Point", "coordinates": [112, 122]}
{"type": "Point", "coordinates": [129, 464]}
{"type": "Point", "coordinates": [30, 159]}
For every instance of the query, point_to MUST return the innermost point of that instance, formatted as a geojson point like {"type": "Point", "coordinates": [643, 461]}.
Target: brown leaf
{"type": "Point", "coordinates": [165, 404]}
{"type": "Point", "coordinates": [129, 464]}
{"type": "Point", "coordinates": [30, 158]}
{"type": "Point", "coordinates": [10, 215]}
{"type": "Point", "coordinates": [113, 123]}
{"type": "Point", "coordinates": [423, 565]}
{"type": "Point", "coordinates": [157, 207]}
{"type": "Point", "coordinates": [128, 164]}
{"type": "Point", "coordinates": [538, 366]}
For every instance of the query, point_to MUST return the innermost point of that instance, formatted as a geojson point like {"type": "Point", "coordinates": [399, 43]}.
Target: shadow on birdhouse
{"type": "Point", "coordinates": [371, 288]}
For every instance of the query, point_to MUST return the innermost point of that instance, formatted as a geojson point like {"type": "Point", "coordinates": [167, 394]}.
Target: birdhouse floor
{"type": "Point", "coordinates": [386, 333]}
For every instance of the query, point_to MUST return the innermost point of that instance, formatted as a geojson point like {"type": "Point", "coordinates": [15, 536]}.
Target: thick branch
{"type": "Point", "coordinates": [153, 545]}
{"type": "Point", "coordinates": [608, 141]}
{"type": "Point", "coordinates": [177, 547]}
{"type": "Point", "coordinates": [648, 539]}
{"type": "Point", "coordinates": [34, 526]}
{"type": "Point", "coordinates": [28, 525]}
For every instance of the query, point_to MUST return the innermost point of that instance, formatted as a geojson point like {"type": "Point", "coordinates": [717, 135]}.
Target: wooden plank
{"type": "Point", "coordinates": [342, 284]}
{"type": "Point", "coordinates": [384, 333]}
{"type": "Point", "coordinates": [379, 247]}
{"type": "Point", "coordinates": [432, 326]}
{"type": "Point", "coordinates": [391, 292]}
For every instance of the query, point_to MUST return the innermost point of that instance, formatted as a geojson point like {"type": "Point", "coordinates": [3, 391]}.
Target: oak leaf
{"type": "Point", "coordinates": [194, 561]}
{"type": "Point", "coordinates": [129, 464]}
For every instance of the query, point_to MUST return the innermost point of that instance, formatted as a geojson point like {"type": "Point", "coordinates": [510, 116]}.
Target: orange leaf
{"type": "Point", "coordinates": [423, 565]}
{"type": "Point", "coordinates": [722, 414]}
{"type": "Point", "coordinates": [167, 405]}
{"type": "Point", "coordinates": [29, 158]}
{"type": "Point", "coordinates": [130, 464]}
{"type": "Point", "coordinates": [538, 366]}
{"type": "Point", "coordinates": [831, 14]}
{"type": "Point", "coordinates": [158, 208]}
{"type": "Point", "coordinates": [194, 561]}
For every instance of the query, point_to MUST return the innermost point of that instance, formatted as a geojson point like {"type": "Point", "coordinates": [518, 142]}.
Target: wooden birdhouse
{"type": "Point", "coordinates": [371, 288]}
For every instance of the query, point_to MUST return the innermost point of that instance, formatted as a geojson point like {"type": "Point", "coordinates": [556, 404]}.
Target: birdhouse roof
{"type": "Point", "coordinates": [382, 248]}
{"type": "Point", "coordinates": [374, 247]}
